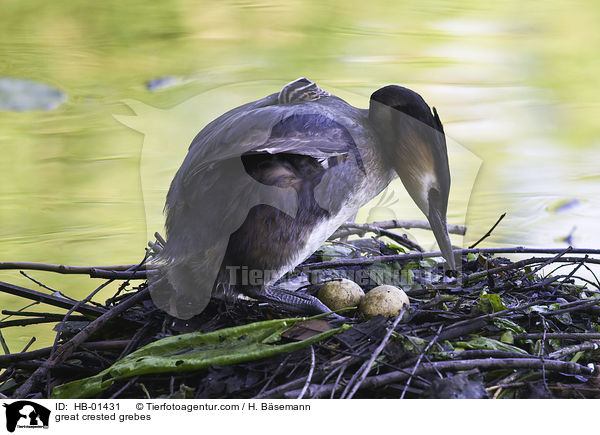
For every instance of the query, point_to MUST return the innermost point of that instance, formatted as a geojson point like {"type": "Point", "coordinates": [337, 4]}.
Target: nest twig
{"type": "Point", "coordinates": [541, 339]}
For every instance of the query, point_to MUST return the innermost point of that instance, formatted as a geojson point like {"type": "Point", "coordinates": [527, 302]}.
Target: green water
{"type": "Point", "coordinates": [516, 83]}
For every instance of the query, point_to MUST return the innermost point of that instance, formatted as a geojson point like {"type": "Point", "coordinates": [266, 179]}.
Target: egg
{"type": "Point", "coordinates": [386, 300]}
{"type": "Point", "coordinates": [340, 293]}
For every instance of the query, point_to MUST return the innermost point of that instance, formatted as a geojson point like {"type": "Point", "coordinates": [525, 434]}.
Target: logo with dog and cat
{"type": "Point", "coordinates": [25, 414]}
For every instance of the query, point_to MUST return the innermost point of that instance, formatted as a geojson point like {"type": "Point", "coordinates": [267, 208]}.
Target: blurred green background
{"type": "Point", "coordinates": [516, 83]}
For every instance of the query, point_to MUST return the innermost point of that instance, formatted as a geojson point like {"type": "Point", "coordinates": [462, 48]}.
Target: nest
{"type": "Point", "coordinates": [497, 329]}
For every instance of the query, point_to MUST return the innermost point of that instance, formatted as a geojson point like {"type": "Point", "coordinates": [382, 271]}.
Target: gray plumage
{"type": "Point", "coordinates": [262, 187]}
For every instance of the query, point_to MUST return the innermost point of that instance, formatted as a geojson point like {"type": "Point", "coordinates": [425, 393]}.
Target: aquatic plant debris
{"type": "Point", "coordinates": [196, 351]}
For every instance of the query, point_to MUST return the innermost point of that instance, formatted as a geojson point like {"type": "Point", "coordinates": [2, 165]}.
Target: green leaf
{"type": "Point", "coordinates": [395, 246]}
{"type": "Point", "coordinates": [195, 351]}
{"type": "Point", "coordinates": [411, 265]}
{"type": "Point", "coordinates": [577, 356]}
{"type": "Point", "coordinates": [411, 343]}
{"type": "Point", "coordinates": [428, 263]}
{"type": "Point", "coordinates": [555, 344]}
{"type": "Point", "coordinates": [330, 252]}
{"type": "Point", "coordinates": [507, 338]}
{"type": "Point", "coordinates": [538, 309]}
{"type": "Point", "coordinates": [507, 325]}
{"type": "Point", "coordinates": [490, 303]}
{"type": "Point", "coordinates": [564, 318]}
{"type": "Point", "coordinates": [489, 344]}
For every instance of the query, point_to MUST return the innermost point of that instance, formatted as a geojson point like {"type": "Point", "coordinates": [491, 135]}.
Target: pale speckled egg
{"type": "Point", "coordinates": [386, 300]}
{"type": "Point", "coordinates": [340, 293]}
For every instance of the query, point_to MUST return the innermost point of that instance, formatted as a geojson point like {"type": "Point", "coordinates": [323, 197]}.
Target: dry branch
{"type": "Point", "coordinates": [50, 299]}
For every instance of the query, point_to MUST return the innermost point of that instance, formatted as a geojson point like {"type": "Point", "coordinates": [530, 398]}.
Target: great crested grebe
{"type": "Point", "coordinates": [265, 184]}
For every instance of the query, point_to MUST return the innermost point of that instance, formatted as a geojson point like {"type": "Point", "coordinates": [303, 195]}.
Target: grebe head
{"type": "Point", "coordinates": [412, 137]}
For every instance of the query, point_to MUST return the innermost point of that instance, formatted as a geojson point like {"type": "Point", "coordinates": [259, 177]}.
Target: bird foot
{"type": "Point", "coordinates": [292, 301]}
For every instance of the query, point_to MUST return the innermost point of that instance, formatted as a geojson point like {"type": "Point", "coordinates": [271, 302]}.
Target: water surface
{"type": "Point", "coordinates": [516, 84]}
